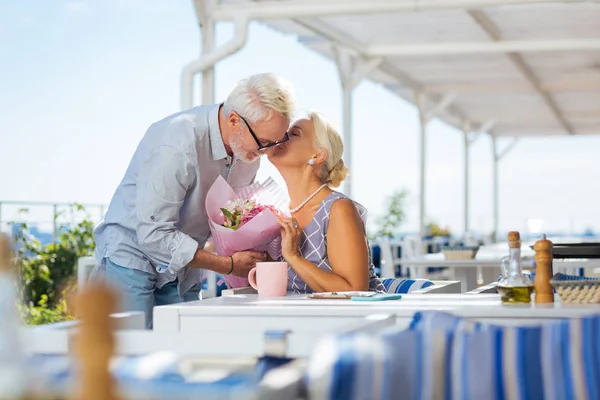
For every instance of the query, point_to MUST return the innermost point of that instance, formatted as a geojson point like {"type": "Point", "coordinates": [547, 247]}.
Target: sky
{"type": "Point", "coordinates": [81, 81]}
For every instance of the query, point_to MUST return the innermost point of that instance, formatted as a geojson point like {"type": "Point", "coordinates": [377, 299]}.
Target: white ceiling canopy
{"type": "Point", "coordinates": [532, 66]}
{"type": "Point", "coordinates": [511, 68]}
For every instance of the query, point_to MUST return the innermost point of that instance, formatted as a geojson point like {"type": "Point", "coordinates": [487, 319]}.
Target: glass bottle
{"type": "Point", "coordinates": [514, 287]}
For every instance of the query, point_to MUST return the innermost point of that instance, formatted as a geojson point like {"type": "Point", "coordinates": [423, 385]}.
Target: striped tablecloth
{"type": "Point", "coordinates": [161, 376]}
{"type": "Point", "coordinates": [446, 357]}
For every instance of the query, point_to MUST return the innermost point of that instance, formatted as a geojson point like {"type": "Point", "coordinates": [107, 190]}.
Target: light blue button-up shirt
{"type": "Point", "coordinates": [157, 217]}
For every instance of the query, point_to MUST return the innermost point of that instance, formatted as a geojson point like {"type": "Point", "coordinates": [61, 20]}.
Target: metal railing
{"type": "Point", "coordinates": [47, 213]}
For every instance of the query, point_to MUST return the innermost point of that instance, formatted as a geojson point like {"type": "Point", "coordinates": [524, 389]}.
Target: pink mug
{"type": "Point", "coordinates": [269, 278]}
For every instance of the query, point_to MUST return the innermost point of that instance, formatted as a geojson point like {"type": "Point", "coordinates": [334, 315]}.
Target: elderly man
{"type": "Point", "coordinates": [150, 242]}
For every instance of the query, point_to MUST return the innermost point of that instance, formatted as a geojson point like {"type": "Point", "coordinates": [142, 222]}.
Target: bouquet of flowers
{"type": "Point", "coordinates": [245, 220]}
{"type": "Point", "coordinates": [238, 212]}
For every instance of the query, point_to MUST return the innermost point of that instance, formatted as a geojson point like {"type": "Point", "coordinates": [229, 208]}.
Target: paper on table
{"type": "Point", "coordinates": [341, 295]}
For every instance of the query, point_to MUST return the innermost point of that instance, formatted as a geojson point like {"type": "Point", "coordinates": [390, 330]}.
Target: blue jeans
{"type": "Point", "coordinates": [138, 290]}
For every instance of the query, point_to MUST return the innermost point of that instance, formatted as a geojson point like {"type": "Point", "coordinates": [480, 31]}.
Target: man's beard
{"type": "Point", "coordinates": [236, 147]}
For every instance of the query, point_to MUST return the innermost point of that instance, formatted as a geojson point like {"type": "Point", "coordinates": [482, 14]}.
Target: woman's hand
{"type": "Point", "coordinates": [290, 235]}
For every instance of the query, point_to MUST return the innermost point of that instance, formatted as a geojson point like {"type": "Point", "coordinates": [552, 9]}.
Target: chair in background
{"type": "Point", "coordinates": [388, 261]}
{"type": "Point", "coordinates": [85, 266]}
{"type": "Point", "coordinates": [412, 247]}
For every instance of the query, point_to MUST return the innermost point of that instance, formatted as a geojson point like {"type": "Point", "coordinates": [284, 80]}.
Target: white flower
{"type": "Point", "coordinates": [240, 205]}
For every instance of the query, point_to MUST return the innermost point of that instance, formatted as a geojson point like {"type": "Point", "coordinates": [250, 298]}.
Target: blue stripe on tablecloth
{"type": "Point", "coordinates": [456, 367]}
{"type": "Point", "coordinates": [401, 349]}
{"type": "Point", "coordinates": [557, 366]}
{"type": "Point", "coordinates": [163, 366]}
{"type": "Point", "coordinates": [498, 364]}
{"type": "Point", "coordinates": [418, 364]}
{"type": "Point", "coordinates": [481, 361]}
{"type": "Point", "coordinates": [343, 370]}
{"type": "Point", "coordinates": [551, 363]}
{"type": "Point", "coordinates": [448, 373]}
{"type": "Point", "coordinates": [591, 337]}
{"type": "Point", "coordinates": [267, 363]}
{"type": "Point", "coordinates": [386, 374]}
{"type": "Point", "coordinates": [135, 375]}
{"type": "Point", "coordinates": [530, 363]}
{"type": "Point", "coordinates": [428, 383]}
{"type": "Point", "coordinates": [369, 373]}
{"type": "Point", "coordinates": [175, 390]}
{"type": "Point", "coordinates": [566, 356]}
{"type": "Point", "coordinates": [364, 379]}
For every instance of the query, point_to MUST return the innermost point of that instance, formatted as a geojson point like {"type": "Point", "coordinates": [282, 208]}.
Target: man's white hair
{"type": "Point", "coordinates": [257, 97]}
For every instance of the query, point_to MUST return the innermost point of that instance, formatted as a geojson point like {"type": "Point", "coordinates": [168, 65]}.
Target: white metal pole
{"type": "Point", "coordinates": [346, 68]}
{"type": "Point", "coordinates": [495, 198]}
{"type": "Point", "coordinates": [209, 60]}
{"type": "Point", "coordinates": [208, 46]}
{"type": "Point", "coordinates": [466, 128]}
{"type": "Point", "coordinates": [423, 126]}
{"type": "Point", "coordinates": [347, 115]}
{"type": "Point", "coordinates": [351, 72]}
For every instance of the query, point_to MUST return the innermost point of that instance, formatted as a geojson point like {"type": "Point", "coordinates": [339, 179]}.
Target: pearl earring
{"type": "Point", "coordinates": [311, 161]}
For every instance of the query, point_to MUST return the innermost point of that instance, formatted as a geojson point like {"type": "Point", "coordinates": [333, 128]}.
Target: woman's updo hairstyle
{"type": "Point", "coordinates": [327, 138]}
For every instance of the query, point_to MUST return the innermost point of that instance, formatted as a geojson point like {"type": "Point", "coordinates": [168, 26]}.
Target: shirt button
{"type": "Point", "coordinates": [152, 217]}
{"type": "Point", "coordinates": [227, 165]}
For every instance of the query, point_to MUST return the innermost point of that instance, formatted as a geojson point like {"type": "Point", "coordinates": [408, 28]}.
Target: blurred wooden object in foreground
{"type": "Point", "coordinates": [94, 344]}
{"type": "Point", "coordinates": [5, 250]}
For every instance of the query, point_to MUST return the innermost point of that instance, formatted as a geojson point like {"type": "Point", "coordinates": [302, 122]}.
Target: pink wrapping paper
{"type": "Point", "coordinates": [261, 233]}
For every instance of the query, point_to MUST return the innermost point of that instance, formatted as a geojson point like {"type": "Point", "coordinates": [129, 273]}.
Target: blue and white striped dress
{"type": "Point", "coordinates": [313, 246]}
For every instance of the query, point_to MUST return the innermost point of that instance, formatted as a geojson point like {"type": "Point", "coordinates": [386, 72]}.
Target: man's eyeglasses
{"type": "Point", "coordinates": [261, 146]}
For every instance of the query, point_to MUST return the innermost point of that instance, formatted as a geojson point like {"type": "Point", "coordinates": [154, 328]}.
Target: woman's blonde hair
{"type": "Point", "coordinates": [327, 138]}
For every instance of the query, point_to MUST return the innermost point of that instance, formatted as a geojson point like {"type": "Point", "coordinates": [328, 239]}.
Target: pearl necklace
{"type": "Point", "coordinates": [309, 198]}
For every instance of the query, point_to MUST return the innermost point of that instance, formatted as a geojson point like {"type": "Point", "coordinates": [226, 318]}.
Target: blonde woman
{"type": "Point", "coordinates": [324, 242]}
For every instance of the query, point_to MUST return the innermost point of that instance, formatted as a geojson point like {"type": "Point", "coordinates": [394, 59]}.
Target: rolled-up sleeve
{"type": "Point", "coordinates": [163, 181]}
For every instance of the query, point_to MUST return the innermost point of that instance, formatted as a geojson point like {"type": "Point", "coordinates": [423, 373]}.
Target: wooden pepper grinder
{"type": "Point", "coordinates": [94, 344]}
{"type": "Point", "coordinates": [543, 271]}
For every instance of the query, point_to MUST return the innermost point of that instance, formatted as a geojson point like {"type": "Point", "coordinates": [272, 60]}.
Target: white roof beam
{"type": "Point", "coordinates": [442, 105]}
{"type": "Point", "coordinates": [303, 8]}
{"type": "Point", "coordinates": [501, 154]}
{"type": "Point", "coordinates": [487, 126]}
{"type": "Point", "coordinates": [334, 36]}
{"type": "Point", "coordinates": [558, 86]}
{"type": "Point", "coordinates": [505, 46]}
{"type": "Point", "coordinates": [492, 30]}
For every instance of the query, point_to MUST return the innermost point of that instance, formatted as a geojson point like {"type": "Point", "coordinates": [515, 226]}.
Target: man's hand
{"type": "Point", "coordinates": [244, 261]}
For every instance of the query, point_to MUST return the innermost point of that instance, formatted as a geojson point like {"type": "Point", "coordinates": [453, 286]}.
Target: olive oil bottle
{"type": "Point", "coordinates": [514, 287]}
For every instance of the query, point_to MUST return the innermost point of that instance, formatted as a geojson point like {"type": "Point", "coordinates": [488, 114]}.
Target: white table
{"type": "Point", "coordinates": [244, 313]}
{"type": "Point", "coordinates": [487, 264]}
{"type": "Point", "coordinates": [220, 341]}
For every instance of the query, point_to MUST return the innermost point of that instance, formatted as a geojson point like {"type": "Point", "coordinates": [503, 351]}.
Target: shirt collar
{"type": "Point", "coordinates": [216, 140]}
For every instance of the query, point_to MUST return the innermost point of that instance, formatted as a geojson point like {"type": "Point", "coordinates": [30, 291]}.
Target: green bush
{"type": "Point", "coordinates": [47, 273]}
{"type": "Point", "coordinates": [42, 314]}
{"type": "Point", "coordinates": [388, 224]}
